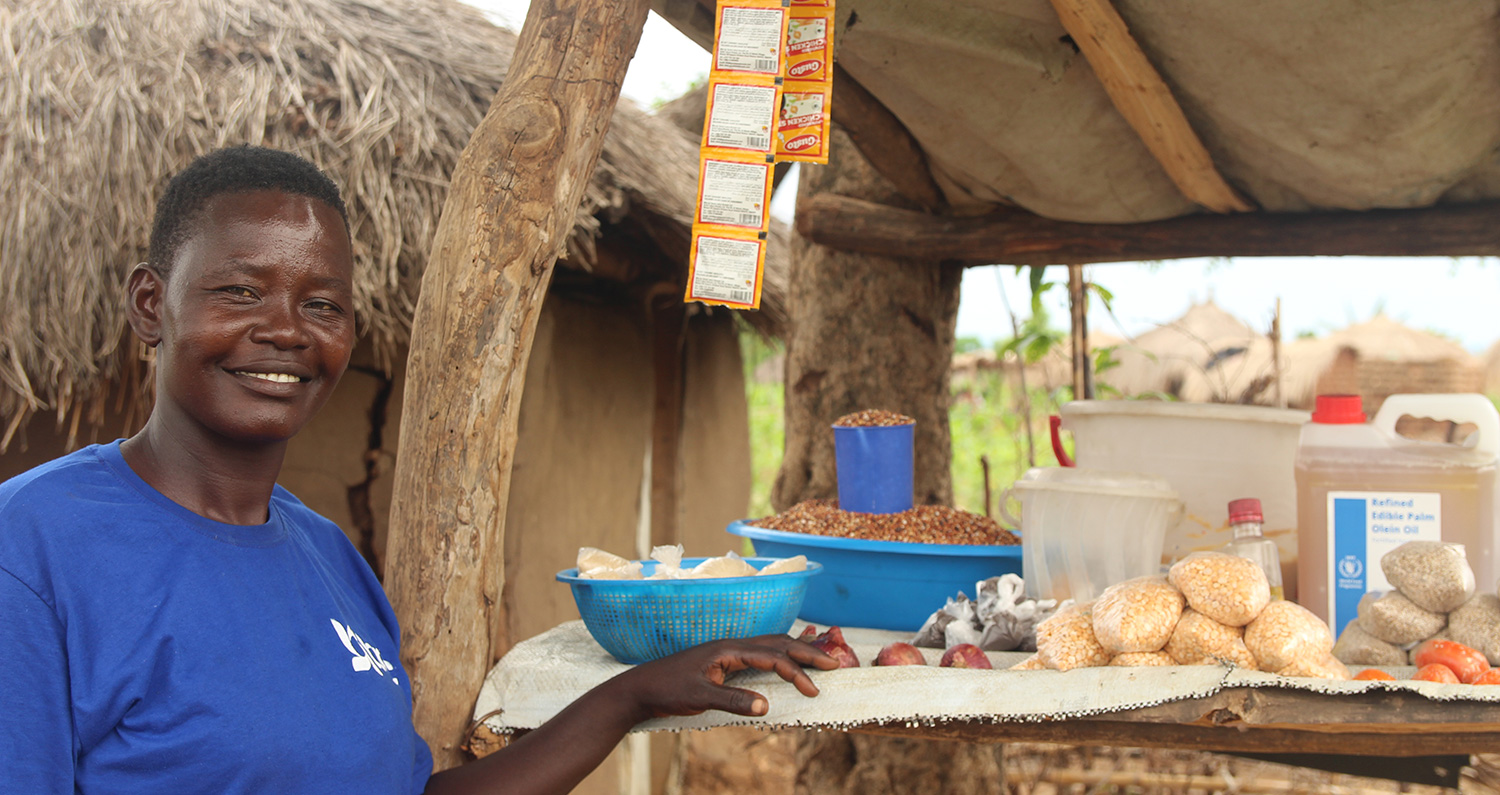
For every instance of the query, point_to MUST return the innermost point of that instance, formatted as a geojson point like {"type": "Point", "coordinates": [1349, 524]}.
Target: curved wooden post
{"type": "Point", "coordinates": [509, 209]}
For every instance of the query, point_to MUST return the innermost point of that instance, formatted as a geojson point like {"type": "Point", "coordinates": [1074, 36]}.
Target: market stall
{"type": "Point", "coordinates": [1027, 134]}
{"type": "Point", "coordinates": [1214, 708]}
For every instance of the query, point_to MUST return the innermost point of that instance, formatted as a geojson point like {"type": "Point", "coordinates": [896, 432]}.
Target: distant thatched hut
{"type": "Point", "coordinates": [1054, 369]}
{"type": "Point", "coordinates": [102, 100]}
{"type": "Point", "coordinates": [1161, 360]}
{"type": "Point", "coordinates": [1375, 360]}
{"type": "Point", "coordinates": [1380, 358]}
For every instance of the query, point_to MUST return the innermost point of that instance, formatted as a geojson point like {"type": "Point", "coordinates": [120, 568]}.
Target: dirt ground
{"type": "Point", "coordinates": [773, 760]}
{"type": "Point", "coordinates": [1038, 769]}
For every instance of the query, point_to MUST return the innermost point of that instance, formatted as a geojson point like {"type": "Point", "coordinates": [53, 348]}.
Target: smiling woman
{"type": "Point", "coordinates": [163, 593]}
{"type": "Point", "coordinates": [184, 587]}
{"type": "Point", "coordinates": [259, 333]}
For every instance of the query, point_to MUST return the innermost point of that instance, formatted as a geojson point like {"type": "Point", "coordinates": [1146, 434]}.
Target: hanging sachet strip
{"type": "Point", "coordinates": [726, 267]}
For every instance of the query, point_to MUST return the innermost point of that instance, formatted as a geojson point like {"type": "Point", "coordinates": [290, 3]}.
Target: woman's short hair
{"type": "Point", "coordinates": [236, 169]}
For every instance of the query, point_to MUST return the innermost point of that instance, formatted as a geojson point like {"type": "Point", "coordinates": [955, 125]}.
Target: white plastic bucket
{"type": "Point", "coordinates": [1084, 530]}
{"type": "Point", "coordinates": [1209, 453]}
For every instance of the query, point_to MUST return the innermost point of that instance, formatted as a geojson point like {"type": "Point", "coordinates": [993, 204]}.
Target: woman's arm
{"type": "Point", "coordinates": [557, 755]}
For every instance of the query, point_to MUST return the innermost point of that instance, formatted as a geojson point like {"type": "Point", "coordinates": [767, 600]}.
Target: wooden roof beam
{"type": "Point", "coordinates": [1010, 237]}
{"type": "Point", "coordinates": [884, 141]}
{"type": "Point", "coordinates": [1143, 98]}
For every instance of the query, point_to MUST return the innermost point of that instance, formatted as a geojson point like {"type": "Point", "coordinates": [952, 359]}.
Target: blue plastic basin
{"type": "Point", "coordinates": [882, 584]}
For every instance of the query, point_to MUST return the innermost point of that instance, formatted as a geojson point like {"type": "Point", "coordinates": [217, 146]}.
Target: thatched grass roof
{"type": "Point", "coordinates": [1382, 339]}
{"type": "Point", "coordinates": [1243, 372]}
{"type": "Point", "coordinates": [1246, 376]}
{"type": "Point", "coordinates": [102, 100]}
{"type": "Point", "coordinates": [1161, 359]}
{"type": "Point", "coordinates": [1053, 370]}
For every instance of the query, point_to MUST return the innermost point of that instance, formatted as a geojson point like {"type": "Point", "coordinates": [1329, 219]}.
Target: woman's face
{"type": "Point", "coordinates": [256, 318]}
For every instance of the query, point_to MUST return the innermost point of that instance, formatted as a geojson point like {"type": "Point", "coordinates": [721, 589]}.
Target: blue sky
{"type": "Point", "coordinates": [1456, 298]}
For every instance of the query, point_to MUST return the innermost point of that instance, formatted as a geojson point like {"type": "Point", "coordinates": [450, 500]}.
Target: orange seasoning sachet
{"type": "Point", "coordinates": [726, 267]}
{"type": "Point", "coordinates": [802, 125]}
{"type": "Point", "coordinates": [741, 114]}
{"type": "Point", "coordinates": [734, 191]}
{"type": "Point", "coordinates": [750, 37]}
{"type": "Point", "coordinates": [809, 43]}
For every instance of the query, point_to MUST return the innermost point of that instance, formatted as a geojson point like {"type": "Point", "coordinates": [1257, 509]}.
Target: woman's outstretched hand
{"type": "Point", "coordinates": [557, 755]}
{"type": "Point", "coordinates": [692, 681]}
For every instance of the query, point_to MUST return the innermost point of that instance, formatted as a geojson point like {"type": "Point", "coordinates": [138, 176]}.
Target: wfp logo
{"type": "Point", "coordinates": [366, 657]}
{"type": "Point", "coordinates": [1351, 567]}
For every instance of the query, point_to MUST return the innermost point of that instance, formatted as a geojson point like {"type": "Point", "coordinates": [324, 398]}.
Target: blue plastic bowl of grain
{"type": "Point", "coordinates": [638, 621]}
{"type": "Point", "coordinates": [882, 584]}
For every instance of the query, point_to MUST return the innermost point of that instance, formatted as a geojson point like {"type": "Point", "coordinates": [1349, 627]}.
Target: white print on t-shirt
{"type": "Point", "coordinates": [366, 657]}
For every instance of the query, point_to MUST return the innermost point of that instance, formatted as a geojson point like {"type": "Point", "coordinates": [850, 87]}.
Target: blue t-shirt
{"type": "Point", "coordinates": [148, 649]}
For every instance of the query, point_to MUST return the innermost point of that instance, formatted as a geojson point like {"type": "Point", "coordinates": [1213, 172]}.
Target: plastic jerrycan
{"type": "Point", "coordinates": [1362, 491]}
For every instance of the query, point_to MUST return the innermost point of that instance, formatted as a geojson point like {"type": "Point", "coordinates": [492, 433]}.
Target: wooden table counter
{"type": "Point", "coordinates": [1209, 708]}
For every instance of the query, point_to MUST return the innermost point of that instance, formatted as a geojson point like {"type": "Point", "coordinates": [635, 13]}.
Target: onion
{"type": "Point", "coordinates": [899, 653]}
{"type": "Point", "coordinates": [965, 655]}
{"type": "Point", "coordinates": [832, 644]}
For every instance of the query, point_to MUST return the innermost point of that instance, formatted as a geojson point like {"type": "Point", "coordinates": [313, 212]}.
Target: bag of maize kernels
{"type": "Point", "coordinates": [1285, 633]}
{"type": "Point", "coordinates": [1066, 639]}
{"type": "Point", "coordinates": [1137, 615]}
{"type": "Point", "coordinates": [1227, 588]}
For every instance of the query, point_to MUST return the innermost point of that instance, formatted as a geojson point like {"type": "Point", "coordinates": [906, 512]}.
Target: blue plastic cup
{"type": "Point", "coordinates": [874, 468]}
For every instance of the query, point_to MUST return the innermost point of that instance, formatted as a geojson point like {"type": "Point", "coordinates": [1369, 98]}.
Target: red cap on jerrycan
{"type": "Point", "coordinates": [1338, 410]}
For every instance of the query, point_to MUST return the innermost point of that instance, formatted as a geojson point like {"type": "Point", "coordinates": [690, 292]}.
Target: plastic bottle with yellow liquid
{"type": "Point", "coordinates": [1245, 521]}
{"type": "Point", "coordinates": [1363, 490]}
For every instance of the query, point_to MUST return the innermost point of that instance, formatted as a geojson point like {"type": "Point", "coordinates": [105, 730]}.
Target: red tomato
{"type": "Point", "coordinates": [1372, 674]}
{"type": "Point", "coordinates": [1466, 663]}
{"type": "Point", "coordinates": [1436, 672]}
{"type": "Point", "coordinates": [1490, 677]}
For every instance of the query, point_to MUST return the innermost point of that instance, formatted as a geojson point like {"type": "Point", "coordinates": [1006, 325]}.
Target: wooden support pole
{"type": "Point", "coordinates": [1143, 98]}
{"type": "Point", "coordinates": [668, 339]}
{"type": "Point", "coordinates": [1078, 306]}
{"type": "Point", "coordinates": [989, 501]}
{"type": "Point", "coordinates": [1277, 373]}
{"type": "Point", "coordinates": [1009, 237]}
{"type": "Point", "coordinates": [510, 206]}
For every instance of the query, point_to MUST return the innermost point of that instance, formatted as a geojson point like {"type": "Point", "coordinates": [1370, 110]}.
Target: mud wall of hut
{"type": "Point", "coordinates": [1374, 380]}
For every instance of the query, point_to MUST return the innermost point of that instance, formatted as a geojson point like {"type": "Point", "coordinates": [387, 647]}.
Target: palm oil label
{"type": "Point", "coordinates": [1363, 527]}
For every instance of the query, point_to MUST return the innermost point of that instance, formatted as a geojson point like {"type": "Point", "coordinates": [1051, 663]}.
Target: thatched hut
{"type": "Point", "coordinates": [1374, 359]}
{"type": "Point", "coordinates": [1380, 358]}
{"type": "Point", "coordinates": [102, 100]}
{"type": "Point", "coordinates": [1162, 359]}
{"type": "Point", "coordinates": [1054, 369]}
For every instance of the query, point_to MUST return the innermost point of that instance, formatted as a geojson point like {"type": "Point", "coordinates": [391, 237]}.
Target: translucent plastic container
{"type": "Point", "coordinates": [1362, 490]}
{"type": "Point", "coordinates": [1085, 530]}
{"type": "Point", "coordinates": [1209, 454]}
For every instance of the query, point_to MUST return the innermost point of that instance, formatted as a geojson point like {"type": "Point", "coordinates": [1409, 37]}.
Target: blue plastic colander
{"type": "Point", "coordinates": [641, 620]}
